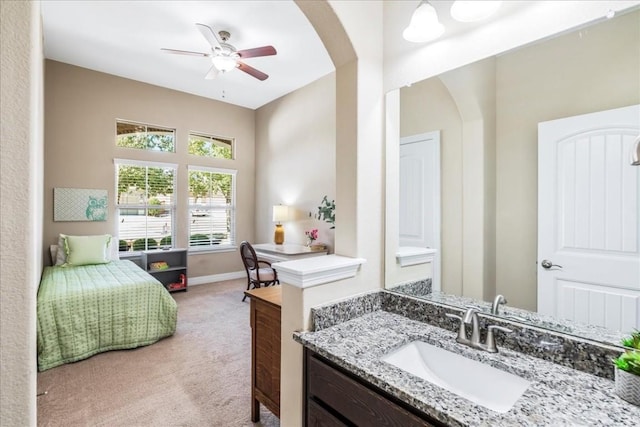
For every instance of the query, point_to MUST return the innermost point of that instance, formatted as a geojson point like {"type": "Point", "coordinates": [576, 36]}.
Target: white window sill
{"type": "Point", "coordinates": [212, 249]}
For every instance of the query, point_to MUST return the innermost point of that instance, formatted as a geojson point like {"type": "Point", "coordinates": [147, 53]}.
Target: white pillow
{"type": "Point", "coordinates": [87, 250]}
{"type": "Point", "coordinates": [59, 256]}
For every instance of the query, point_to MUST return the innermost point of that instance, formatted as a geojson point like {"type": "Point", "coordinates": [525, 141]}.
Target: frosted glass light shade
{"type": "Point", "coordinates": [280, 213]}
{"type": "Point", "coordinates": [224, 63]}
{"type": "Point", "coordinates": [472, 11]}
{"type": "Point", "coordinates": [424, 25]}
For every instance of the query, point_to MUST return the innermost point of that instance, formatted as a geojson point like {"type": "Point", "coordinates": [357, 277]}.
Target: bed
{"type": "Point", "coordinates": [88, 309]}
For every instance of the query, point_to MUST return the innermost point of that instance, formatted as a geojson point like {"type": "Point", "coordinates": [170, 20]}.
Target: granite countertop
{"type": "Point", "coordinates": [558, 396]}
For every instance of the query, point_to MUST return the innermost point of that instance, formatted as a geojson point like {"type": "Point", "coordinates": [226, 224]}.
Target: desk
{"type": "Point", "coordinates": [286, 252]}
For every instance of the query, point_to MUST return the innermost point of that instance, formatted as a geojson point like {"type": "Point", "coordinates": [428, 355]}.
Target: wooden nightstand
{"type": "Point", "coordinates": [265, 349]}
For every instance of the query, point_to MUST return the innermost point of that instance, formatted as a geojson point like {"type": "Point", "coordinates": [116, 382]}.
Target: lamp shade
{"type": "Point", "coordinates": [473, 10]}
{"type": "Point", "coordinates": [280, 213]}
{"type": "Point", "coordinates": [424, 25]}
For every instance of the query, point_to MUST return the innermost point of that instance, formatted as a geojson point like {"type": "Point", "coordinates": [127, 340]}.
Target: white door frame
{"type": "Point", "coordinates": [433, 139]}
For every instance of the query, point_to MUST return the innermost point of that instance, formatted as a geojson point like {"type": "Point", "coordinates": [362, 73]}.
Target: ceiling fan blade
{"type": "Point", "coordinates": [185, 52]}
{"type": "Point", "coordinates": [252, 71]}
{"type": "Point", "coordinates": [208, 34]}
{"type": "Point", "coordinates": [212, 74]}
{"type": "Point", "coordinates": [257, 51]}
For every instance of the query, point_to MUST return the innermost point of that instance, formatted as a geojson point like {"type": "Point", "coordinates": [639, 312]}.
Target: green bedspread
{"type": "Point", "coordinates": [89, 309]}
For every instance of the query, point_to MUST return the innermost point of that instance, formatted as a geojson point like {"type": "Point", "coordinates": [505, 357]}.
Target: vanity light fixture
{"type": "Point", "coordinates": [424, 25]}
{"type": "Point", "coordinates": [473, 11]}
{"type": "Point", "coordinates": [280, 214]}
{"type": "Point", "coordinates": [635, 152]}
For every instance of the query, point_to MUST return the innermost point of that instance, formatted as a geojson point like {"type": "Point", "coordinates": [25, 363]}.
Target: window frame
{"type": "Point", "coordinates": [232, 245]}
{"type": "Point", "coordinates": [173, 207]}
{"type": "Point", "coordinates": [147, 126]}
{"type": "Point", "coordinates": [204, 135]}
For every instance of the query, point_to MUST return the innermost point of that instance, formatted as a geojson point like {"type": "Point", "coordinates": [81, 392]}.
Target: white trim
{"type": "Point", "coordinates": [212, 278]}
{"type": "Point", "coordinates": [432, 137]}
{"type": "Point", "coordinates": [409, 255]}
{"type": "Point", "coordinates": [233, 172]}
{"type": "Point", "coordinates": [145, 163]}
{"type": "Point", "coordinates": [308, 272]}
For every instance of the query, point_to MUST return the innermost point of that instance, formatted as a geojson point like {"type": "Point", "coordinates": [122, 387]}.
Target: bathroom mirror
{"type": "Point", "coordinates": [487, 116]}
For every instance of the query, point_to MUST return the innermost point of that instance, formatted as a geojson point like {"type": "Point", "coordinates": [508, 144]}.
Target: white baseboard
{"type": "Point", "coordinates": [201, 280]}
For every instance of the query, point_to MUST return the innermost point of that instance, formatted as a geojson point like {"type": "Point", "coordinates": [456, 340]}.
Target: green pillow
{"type": "Point", "coordinates": [86, 250]}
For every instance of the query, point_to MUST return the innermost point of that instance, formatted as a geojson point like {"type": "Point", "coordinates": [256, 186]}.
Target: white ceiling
{"type": "Point", "coordinates": [124, 38]}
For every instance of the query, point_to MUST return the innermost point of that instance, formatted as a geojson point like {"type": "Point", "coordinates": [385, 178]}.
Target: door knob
{"type": "Point", "coordinates": [548, 264]}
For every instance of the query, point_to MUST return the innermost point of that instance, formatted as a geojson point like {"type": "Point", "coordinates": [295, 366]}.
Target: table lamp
{"type": "Point", "coordinates": [280, 214]}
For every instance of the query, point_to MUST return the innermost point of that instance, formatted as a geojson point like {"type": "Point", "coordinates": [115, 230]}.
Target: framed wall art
{"type": "Point", "coordinates": [79, 204]}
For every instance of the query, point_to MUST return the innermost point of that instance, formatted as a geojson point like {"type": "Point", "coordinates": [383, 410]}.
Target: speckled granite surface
{"type": "Point", "coordinates": [564, 349]}
{"type": "Point", "coordinates": [567, 350]}
{"type": "Point", "coordinates": [595, 333]}
{"type": "Point", "coordinates": [558, 396]}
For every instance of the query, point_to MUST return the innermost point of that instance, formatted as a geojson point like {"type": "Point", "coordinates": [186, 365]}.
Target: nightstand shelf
{"type": "Point", "coordinates": [174, 278]}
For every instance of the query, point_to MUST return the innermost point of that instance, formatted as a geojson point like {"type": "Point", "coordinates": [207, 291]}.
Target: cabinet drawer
{"type": "Point", "coordinates": [317, 416]}
{"type": "Point", "coordinates": [354, 400]}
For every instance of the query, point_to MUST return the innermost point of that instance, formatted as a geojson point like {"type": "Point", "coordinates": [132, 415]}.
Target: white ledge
{"type": "Point", "coordinates": [410, 255]}
{"type": "Point", "coordinates": [308, 272]}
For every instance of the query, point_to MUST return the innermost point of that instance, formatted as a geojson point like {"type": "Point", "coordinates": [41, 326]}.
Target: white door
{"type": "Point", "coordinates": [588, 219]}
{"type": "Point", "coordinates": [420, 195]}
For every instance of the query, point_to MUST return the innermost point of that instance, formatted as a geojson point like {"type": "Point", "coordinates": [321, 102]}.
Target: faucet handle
{"type": "Point", "coordinates": [453, 316]}
{"type": "Point", "coordinates": [490, 344]}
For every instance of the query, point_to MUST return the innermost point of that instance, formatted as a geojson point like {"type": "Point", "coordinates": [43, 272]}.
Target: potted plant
{"type": "Point", "coordinates": [326, 211]}
{"type": "Point", "coordinates": [627, 373]}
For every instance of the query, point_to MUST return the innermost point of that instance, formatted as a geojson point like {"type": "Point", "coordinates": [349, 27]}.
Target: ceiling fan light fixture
{"type": "Point", "coordinates": [473, 11]}
{"type": "Point", "coordinates": [224, 63]}
{"type": "Point", "coordinates": [424, 25]}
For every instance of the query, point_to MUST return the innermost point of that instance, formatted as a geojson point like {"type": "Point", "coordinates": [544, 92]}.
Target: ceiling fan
{"type": "Point", "coordinates": [226, 57]}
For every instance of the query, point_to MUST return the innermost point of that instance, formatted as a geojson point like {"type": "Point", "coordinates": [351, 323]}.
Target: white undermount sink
{"type": "Point", "coordinates": [480, 383]}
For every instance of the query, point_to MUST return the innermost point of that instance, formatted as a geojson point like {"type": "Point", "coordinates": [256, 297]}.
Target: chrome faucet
{"type": "Point", "coordinates": [499, 299]}
{"type": "Point", "coordinates": [471, 318]}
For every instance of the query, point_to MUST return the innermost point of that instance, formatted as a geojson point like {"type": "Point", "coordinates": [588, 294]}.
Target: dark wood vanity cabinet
{"type": "Point", "coordinates": [335, 397]}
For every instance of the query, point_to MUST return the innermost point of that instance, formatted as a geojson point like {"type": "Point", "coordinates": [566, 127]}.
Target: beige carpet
{"type": "Point", "coordinates": [198, 377]}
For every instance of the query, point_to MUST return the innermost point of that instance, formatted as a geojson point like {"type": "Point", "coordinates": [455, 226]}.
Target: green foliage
{"type": "Point", "coordinates": [210, 147]}
{"type": "Point", "coordinates": [156, 212]}
{"type": "Point", "coordinates": [139, 244]}
{"type": "Point", "coordinates": [630, 360]}
{"type": "Point", "coordinates": [147, 141]}
{"type": "Point", "coordinates": [151, 181]}
{"type": "Point", "coordinates": [165, 241]}
{"type": "Point", "coordinates": [123, 246]}
{"type": "Point", "coordinates": [633, 341]}
{"type": "Point", "coordinates": [199, 240]}
{"type": "Point", "coordinates": [326, 211]}
{"type": "Point", "coordinates": [209, 184]}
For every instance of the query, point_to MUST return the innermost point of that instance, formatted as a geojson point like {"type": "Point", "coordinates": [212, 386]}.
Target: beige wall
{"type": "Point", "coordinates": [594, 69]}
{"type": "Point", "coordinates": [21, 81]}
{"type": "Point", "coordinates": [424, 107]}
{"type": "Point", "coordinates": [81, 107]}
{"type": "Point", "coordinates": [296, 160]}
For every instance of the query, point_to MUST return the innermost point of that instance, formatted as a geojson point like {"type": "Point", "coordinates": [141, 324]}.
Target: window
{"type": "Point", "coordinates": [210, 146]}
{"type": "Point", "coordinates": [145, 137]}
{"type": "Point", "coordinates": [211, 208]}
{"type": "Point", "coordinates": [146, 204]}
